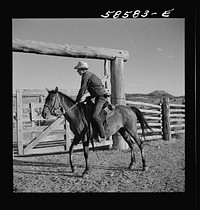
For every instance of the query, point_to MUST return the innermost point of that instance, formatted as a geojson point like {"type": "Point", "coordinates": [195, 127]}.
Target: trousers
{"type": "Point", "coordinates": [99, 102]}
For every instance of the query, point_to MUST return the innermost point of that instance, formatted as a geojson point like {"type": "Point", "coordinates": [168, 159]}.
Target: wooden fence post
{"type": "Point", "coordinates": [32, 118]}
{"type": "Point", "coordinates": [166, 119]}
{"type": "Point", "coordinates": [118, 95]}
{"type": "Point", "coordinates": [19, 122]}
{"type": "Point", "coordinates": [106, 73]}
{"type": "Point", "coordinates": [41, 99]}
{"type": "Point", "coordinates": [32, 113]}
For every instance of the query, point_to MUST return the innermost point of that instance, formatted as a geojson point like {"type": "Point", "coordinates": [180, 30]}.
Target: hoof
{"type": "Point", "coordinates": [131, 167]}
{"type": "Point", "coordinates": [73, 169]}
{"type": "Point", "coordinates": [145, 168]}
{"type": "Point", "coordinates": [85, 173]}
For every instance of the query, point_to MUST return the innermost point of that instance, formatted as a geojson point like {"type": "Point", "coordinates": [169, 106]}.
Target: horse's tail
{"type": "Point", "coordinates": [142, 120]}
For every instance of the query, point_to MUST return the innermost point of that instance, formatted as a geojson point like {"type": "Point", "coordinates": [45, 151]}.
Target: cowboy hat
{"type": "Point", "coordinates": [82, 65]}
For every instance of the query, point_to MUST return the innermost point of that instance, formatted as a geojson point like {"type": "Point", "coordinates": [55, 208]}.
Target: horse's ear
{"type": "Point", "coordinates": [56, 90]}
{"type": "Point", "coordinates": [48, 90]}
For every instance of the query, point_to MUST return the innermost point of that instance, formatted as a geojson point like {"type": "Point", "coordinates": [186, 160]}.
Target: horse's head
{"type": "Point", "coordinates": [52, 104]}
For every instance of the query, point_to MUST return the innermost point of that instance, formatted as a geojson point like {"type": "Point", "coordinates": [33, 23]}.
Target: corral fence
{"type": "Point", "coordinates": [165, 118]}
{"type": "Point", "coordinates": [34, 135]}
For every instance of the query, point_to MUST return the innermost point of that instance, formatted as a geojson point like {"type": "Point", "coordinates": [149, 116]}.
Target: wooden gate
{"type": "Point", "coordinates": [42, 136]}
{"type": "Point", "coordinates": [33, 134]}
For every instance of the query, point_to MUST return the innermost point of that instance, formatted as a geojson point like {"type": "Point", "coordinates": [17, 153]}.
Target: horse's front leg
{"type": "Point", "coordinates": [85, 141]}
{"type": "Point", "coordinates": [71, 149]}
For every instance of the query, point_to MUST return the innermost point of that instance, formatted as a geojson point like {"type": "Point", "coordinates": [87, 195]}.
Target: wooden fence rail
{"type": "Point", "coordinates": [177, 118]}
{"type": "Point", "coordinates": [165, 118]}
{"type": "Point", "coordinates": [35, 135]}
{"type": "Point", "coordinates": [153, 115]}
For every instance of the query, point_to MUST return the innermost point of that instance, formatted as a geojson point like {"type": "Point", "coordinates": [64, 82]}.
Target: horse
{"type": "Point", "coordinates": [124, 121]}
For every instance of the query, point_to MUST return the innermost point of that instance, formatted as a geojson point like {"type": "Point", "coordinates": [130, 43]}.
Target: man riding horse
{"type": "Point", "coordinates": [91, 83]}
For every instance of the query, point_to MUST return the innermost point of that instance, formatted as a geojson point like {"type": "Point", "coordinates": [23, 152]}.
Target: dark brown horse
{"type": "Point", "coordinates": [124, 121]}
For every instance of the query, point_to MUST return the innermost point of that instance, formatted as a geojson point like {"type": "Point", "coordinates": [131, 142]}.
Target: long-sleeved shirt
{"type": "Point", "coordinates": [91, 83]}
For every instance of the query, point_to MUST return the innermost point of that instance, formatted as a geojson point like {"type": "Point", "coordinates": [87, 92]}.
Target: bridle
{"type": "Point", "coordinates": [52, 109]}
{"type": "Point", "coordinates": [60, 108]}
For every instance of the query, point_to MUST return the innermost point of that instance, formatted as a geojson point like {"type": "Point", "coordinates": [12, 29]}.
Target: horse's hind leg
{"type": "Point", "coordinates": [71, 149]}
{"type": "Point", "coordinates": [140, 145]}
{"type": "Point", "coordinates": [129, 141]}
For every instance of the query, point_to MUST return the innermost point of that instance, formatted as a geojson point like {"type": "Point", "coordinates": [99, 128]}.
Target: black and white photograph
{"type": "Point", "coordinates": [98, 104]}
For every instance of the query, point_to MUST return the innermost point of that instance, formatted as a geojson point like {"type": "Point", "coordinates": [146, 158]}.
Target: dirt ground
{"type": "Point", "coordinates": [109, 173]}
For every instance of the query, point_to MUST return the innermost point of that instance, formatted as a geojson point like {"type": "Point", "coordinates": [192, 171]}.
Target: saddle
{"type": "Point", "coordinates": [106, 112]}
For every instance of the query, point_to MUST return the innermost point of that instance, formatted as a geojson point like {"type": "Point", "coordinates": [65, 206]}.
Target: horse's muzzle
{"type": "Point", "coordinates": [45, 115]}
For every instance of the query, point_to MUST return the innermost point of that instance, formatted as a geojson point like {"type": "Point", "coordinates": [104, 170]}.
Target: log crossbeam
{"type": "Point", "coordinates": [67, 50]}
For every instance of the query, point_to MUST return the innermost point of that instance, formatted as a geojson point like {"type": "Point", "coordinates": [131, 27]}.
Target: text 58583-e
{"type": "Point", "coordinates": [136, 14]}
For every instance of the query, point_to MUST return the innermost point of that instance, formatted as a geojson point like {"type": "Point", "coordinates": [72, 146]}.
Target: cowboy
{"type": "Point", "coordinates": [91, 83]}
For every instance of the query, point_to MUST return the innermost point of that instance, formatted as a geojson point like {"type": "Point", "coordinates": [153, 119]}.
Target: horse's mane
{"type": "Point", "coordinates": [69, 100]}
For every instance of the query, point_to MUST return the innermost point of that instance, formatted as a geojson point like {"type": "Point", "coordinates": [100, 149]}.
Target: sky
{"type": "Point", "coordinates": [156, 52]}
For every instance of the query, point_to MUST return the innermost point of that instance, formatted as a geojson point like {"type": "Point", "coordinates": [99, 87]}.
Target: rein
{"type": "Point", "coordinates": [71, 107]}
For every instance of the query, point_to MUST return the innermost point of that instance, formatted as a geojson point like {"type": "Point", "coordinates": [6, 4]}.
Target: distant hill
{"type": "Point", "coordinates": [154, 97]}
{"type": "Point", "coordinates": [160, 94]}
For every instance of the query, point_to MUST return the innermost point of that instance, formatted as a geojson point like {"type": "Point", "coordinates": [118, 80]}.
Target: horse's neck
{"type": "Point", "coordinates": [66, 102]}
{"type": "Point", "coordinates": [72, 113]}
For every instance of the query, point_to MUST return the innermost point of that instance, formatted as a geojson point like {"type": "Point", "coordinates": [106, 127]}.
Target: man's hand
{"type": "Point", "coordinates": [82, 99]}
